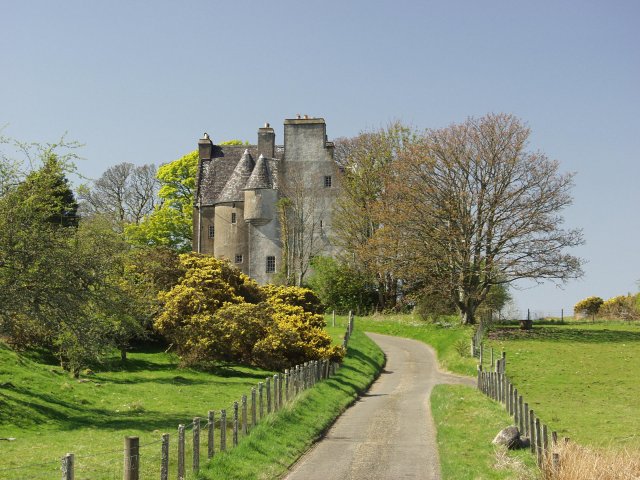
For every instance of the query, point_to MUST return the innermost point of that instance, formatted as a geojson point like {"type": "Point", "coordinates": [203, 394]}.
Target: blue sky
{"type": "Point", "coordinates": [140, 81]}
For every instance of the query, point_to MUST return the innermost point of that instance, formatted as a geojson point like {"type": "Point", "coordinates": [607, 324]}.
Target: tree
{"type": "Point", "coordinates": [364, 159]}
{"type": "Point", "coordinates": [170, 223]}
{"type": "Point", "coordinates": [341, 287]}
{"type": "Point", "coordinates": [124, 192]}
{"type": "Point", "coordinates": [588, 306]}
{"type": "Point", "coordinates": [473, 209]}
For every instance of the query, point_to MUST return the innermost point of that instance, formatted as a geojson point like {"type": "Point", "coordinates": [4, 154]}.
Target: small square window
{"type": "Point", "coordinates": [327, 181]}
{"type": "Point", "coordinates": [212, 231]}
{"type": "Point", "coordinates": [238, 258]}
{"type": "Point", "coordinates": [271, 264]}
{"type": "Point", "coordinates": [233, 217]}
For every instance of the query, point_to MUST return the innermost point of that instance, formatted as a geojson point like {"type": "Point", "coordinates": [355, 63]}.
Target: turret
{"type": "Point", "coordinates": [259, 196]}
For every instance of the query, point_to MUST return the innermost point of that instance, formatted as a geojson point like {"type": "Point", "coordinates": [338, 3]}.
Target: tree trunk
{"type": "Point", "coordinates": [123, 354]}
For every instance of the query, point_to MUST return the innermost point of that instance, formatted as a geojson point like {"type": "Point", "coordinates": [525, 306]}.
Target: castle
{"type": "Point", "coordinates": [267, 208]}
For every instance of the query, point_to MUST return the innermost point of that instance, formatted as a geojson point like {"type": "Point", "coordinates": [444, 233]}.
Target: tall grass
{"type": "Point", "coordinates": [577, 462]}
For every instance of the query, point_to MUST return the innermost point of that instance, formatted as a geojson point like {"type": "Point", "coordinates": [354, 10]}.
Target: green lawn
{"type": "Point", "coordinates": [580, 378]}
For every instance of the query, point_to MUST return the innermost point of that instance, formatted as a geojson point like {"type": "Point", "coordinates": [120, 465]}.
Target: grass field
{"type": "Point", "coordinates": [50, 414]}
{"type": "Point", "coordinates": [580, 377]}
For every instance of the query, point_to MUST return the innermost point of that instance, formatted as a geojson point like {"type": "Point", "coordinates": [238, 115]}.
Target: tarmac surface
{"type": "Point", "coordinates": [389, 432]}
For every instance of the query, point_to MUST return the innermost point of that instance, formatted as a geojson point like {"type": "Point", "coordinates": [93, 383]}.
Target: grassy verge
{"type": "Point", "coordinates": [451, 341]}
{"type": "Point", "coordinates": [581, 378]}
{"type": "Point", "coordinates": [467, 422]}
{"type": "Point", "coordinates": [280, 439]}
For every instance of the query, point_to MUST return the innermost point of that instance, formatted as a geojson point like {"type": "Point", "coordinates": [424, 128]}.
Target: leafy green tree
{"type": "Point", "coordinates": [341, 287]}
{"type": "Point", "coordinates": [170, 223]}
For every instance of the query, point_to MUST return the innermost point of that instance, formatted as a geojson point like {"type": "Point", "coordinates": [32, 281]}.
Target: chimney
{"type": "Point", "coordinates": [205, 146]}
{"type": "Point", "coordinates": [266, 141]}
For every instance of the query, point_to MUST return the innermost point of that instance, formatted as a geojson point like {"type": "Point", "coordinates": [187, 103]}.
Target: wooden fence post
{"type": "Point", "coordinates": [235, 424]}
{"type": "Point", "coordinates": [181, 452]}
{"type": "Point", "coordinates": [253, 407]}
{"type": "Point", "coordinates": [196, 445]}
{"type": "Point", "coordinates": [554, 438]}
{"type": "Point", "coordinates": [68, 467]}
{"type": "Point", "coordinates": [164, 461]}
{"type": "Point", "coordinates": [268, 382]}
{"type": "Point", "coordinates": [211, 428]}
{"type": "Point", "coordinates": [521, 416]}
{"type": "Point", "coordinates": [280, 379]}
{"type": "Point", "coordinates": [261, 399]}
{"type": "Point", "coordinates": [532, 431]}
{"type": "Point", "coordinates": [545, 440]}
{"type": "Point", "coordinates": [276, 379]}
{"type": "Point", "coordinates": [287, 382]}
{"type": "Point", "coordinates": [244, 415]}
{"type": "Point", "coordinates": [334, 318]}
{"type": "Point", "coordinates": [223, 430]}
{"type": "Point", "coordinates": [131, 458]}
{"type": "Point", "coordinates": [538, 442]}
{"type": "Point", "coordinates": [525, 414]}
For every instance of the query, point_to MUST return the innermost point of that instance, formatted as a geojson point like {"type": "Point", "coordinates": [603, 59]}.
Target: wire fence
{"type": "Point", "coordinates": [495, 384]}
{"type": "Point", "coordinates": [182, 453]}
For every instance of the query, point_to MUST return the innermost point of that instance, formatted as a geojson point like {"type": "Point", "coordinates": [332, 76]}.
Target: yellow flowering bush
{"type": "Point", "coordinates": [622, 307]}
{"type": "Point", "coordinates": [300, 296]}
{"type": "Point", "coordinates": [216, 313]}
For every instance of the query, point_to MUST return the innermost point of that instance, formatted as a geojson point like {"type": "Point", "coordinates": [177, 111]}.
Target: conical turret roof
{"type": "Point", "coordinates": [261, 176]}
{"type": "Point", "coordinates": [232, 191]}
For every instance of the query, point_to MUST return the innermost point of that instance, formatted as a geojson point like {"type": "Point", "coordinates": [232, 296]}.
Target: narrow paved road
{"type": "Point", "coordinates": [389, 432]}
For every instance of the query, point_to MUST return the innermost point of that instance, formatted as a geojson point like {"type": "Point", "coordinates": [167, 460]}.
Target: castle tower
{"type": "Point", "coordinates": [261, 213]}
{"type": "Point", "coordinates": [231, 232]}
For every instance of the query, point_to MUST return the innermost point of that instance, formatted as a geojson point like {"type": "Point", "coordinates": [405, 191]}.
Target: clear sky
{"type": "Point", "coordinates": [140, 81]}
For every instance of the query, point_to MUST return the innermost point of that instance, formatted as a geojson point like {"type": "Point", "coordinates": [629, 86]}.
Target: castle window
{"type": "Point", "coordinates": [327, 181]}
{"type": "Point", "coordinates": [212, 231]}
{"type": "Point", "coordinates": [271, 264]}
{"type": "Point", "coordinates": [238, 258]}
{"type": "Point", "coordinates": [233, 217]}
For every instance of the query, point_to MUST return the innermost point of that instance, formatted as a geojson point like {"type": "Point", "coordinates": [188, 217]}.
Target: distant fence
{"type": "Point", "coordinates": [496, 385]}
{"type": "Point", "coordinates": [223, 429]}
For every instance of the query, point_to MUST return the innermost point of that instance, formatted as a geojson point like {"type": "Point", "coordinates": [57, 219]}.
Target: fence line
{"type": "Point", "coordinates": [281, 389]}
{"type": "Point", "coordinates": [495, 384]}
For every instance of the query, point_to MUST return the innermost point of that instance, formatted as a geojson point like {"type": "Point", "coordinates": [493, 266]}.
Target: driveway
{"type": "Point", "coordinates": [388, 433]}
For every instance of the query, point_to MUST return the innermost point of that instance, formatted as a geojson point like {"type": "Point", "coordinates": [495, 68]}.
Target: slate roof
{"type": "Point", "coordinates": [215, 174]}
{"type": "Point", "coordinates": [260, 177]}
{"type": "Point", "coordinates": [232, 191]}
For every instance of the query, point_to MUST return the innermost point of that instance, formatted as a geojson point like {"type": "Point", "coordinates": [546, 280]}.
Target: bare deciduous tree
{"type": "Point", "coordinates": [301, 218]}
{"type": "Point", "coordinates": [364, 159]}
{"type": "Point", "coordinates": [124, 192]}
{"type": "Point", "coordinates": [473, 208]}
